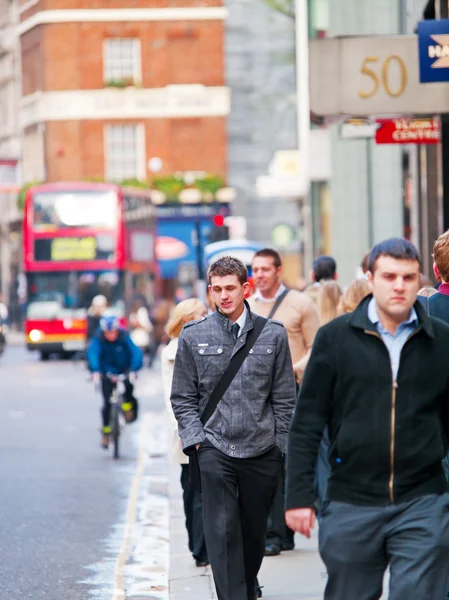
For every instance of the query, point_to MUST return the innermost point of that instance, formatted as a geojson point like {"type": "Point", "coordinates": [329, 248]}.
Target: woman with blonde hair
{"type": "Point", "coordinates": [186, 311]}
{"type": "Point", "coordinates": [328, 299]}
{"type": "Point", "coordinates": [354, 294]}
{"type": "Point", "coordinates": [427, 291]}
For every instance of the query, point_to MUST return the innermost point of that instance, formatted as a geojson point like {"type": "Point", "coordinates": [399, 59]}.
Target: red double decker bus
{"type": "Point", "coordinates": [81, 240]}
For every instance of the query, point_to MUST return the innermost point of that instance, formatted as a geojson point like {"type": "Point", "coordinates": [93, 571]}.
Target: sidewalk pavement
{"type": "Point", "coordinates": [295, 575]}
{"type": "Point", "coordinates": [158, 564]}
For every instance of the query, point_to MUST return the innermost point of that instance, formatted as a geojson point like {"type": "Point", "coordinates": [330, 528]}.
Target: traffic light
{"type": "Point", "coordinates": [219, 220]}
{"type": "Point", "coordinates": [219, 232]}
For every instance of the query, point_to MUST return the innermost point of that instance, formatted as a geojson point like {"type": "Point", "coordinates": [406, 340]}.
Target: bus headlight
{"type": "Point", "coordinates": [35, 335]}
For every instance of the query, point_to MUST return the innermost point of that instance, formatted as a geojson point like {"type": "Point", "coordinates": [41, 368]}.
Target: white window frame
{"type": "Point", "coordinates": [136, 71]}
{"type": "Point", "coordinates": [115, 173]}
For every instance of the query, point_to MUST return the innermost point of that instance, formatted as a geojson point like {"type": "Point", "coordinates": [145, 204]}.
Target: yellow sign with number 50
{"type": "Point", "coordinates": [371, 75]}
{"type": "Point", "coordinates": [381, 76]}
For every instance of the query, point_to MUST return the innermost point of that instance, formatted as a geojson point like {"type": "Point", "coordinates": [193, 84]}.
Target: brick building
{"type": "Point", "coordinates": [109, 84]}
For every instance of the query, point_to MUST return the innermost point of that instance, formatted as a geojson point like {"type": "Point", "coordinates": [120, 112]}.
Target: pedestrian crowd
{"type": "Point", "coordinates": [327, 405]}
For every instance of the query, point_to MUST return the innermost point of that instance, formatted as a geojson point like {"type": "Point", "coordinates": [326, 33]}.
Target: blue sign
{"type": "Point", "coordinates": [176, 245]}
{"type": "Point", "coordinates": [433, 40]}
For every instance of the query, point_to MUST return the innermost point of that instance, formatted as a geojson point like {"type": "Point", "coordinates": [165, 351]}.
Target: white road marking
{"type": "Point", "coordinates": [142, 565]}
{"type": "Point", "coordinates": [119, 582]}
{"type": "Point", "coordinates": [124, 567]}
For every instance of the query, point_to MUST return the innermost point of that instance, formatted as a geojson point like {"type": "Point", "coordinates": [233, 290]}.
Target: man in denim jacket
{"type": "Point", "coordinates": [240, 449]}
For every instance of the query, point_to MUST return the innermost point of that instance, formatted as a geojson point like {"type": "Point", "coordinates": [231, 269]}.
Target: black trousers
{"type": "Point", "coordinates": [107, 387]}
{"type": "Point", "coordinates": [237, 495]}
{"type": "Point", "coordinates": [278, 531]}
{"type": "Point", "coordinates": [193, 510]}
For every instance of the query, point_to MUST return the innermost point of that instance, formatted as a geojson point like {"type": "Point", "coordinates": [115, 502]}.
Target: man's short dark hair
{"type": "Point", "coordinates": [270, 253]}
{"type": "Point", "coordinates": [228, 265]}
{"type": "Point", "coordinates": [398, 248]}
{"type": "Point", "coordinates": [324, 267]}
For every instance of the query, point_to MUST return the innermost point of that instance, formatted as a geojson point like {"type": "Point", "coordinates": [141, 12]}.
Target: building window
{"type": "Point", "coordinates": [124, 152]}
{"type": "Point", "coordinates": [122, 63]}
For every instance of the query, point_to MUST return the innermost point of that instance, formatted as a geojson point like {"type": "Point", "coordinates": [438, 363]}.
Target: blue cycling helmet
{"type": "Point", "coordinates": [109, 323]}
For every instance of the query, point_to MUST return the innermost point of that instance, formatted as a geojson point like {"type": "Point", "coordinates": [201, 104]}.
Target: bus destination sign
{"type": "Point", "coordinates": [64, 249]}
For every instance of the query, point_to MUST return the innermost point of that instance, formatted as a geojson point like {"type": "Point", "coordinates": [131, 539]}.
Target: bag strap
{"type": "Point", "coordinates": [277, 303]}
{"type": "Point", "coordinates": [232, 369]}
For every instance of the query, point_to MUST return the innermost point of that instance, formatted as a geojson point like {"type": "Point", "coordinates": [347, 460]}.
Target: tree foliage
{"type": "Point", "coordinates": [23, 192]}
{"type": "Point", "coordinates": [285, 7]}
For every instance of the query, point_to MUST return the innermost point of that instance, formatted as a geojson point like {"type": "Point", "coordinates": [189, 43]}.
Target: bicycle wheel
{"type": "Point", "coordinates": [115, 426]}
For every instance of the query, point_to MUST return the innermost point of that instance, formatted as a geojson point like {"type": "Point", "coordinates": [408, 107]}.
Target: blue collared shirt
{"type": "Point", "coordinates": [395, 342]}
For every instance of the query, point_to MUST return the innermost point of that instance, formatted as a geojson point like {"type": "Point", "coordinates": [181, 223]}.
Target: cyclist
{"type": "Point", "coordinates": [111, 350]}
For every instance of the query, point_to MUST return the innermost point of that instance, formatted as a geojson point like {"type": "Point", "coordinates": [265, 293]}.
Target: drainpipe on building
{"type": "Point", "coordinates": [303, 123]}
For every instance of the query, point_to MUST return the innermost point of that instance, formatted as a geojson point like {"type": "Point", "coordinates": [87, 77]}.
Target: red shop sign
{"type": "Point", "coordinates": [408, 131]}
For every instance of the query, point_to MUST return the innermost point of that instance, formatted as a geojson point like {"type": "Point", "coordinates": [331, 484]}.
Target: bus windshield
{"type": "Point", "coordinates": [68, 210]}
{"type": "Point", "coordinates": [51, 292]}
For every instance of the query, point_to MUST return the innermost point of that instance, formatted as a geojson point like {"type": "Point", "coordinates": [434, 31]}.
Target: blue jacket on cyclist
{"type": "Point", "coordinates": [112, 350]}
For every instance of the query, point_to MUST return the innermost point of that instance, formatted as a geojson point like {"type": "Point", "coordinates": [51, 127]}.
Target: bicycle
{"type": "Point", "coordinates": [116, 401]}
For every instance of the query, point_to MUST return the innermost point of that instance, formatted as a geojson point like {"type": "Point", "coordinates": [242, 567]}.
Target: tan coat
{"type": "Point", "coordinates": [299, 315]}
{"type": "Point", "coordinates": [168, 356]}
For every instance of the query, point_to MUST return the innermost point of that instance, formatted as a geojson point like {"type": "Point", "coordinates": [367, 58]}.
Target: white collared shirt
{"type": "Point", "coordinates": [241, 321]}
{"type": "Point", "coordinates": [396, 342]}
{"type": "Point", "coordinates": [259, 298]}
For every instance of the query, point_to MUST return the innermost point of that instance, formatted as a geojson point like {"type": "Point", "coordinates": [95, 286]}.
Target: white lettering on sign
{"type": "Point", "coordinates": [440, 51]}
{"type": "Point", "coordinates": [408, 131]}
{"type": "Point", "coordinates": [190, 100]}
{"type": "Point", "coordinates": [416, 135]}
{"type": "Point", "coordinates": [416, 124]}
{"type": "Point", "coordinates": [416, 130]}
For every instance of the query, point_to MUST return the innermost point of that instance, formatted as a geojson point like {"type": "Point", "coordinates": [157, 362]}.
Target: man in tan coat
{"type": "Point", "coordinates": [299, 315]}
{"type": "Point", "coordinates": [297, 312]}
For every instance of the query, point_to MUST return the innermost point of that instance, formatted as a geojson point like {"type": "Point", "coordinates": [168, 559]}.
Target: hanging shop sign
{"type": "Point", "coordinates": [433, 43]}
{"type": "Point", "coordinates": [408, 131]}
